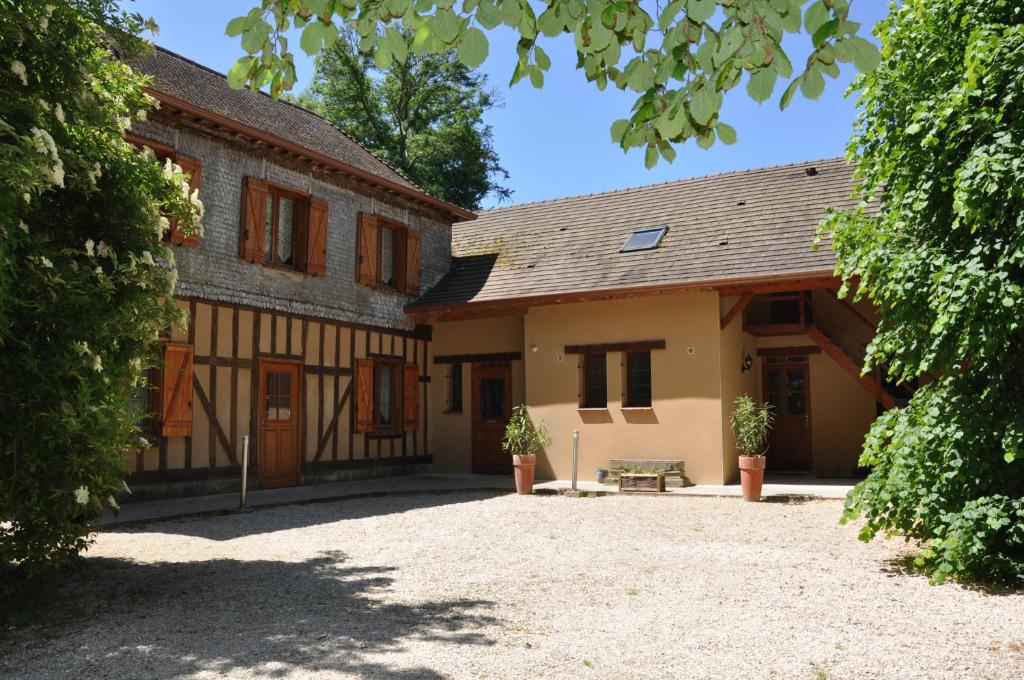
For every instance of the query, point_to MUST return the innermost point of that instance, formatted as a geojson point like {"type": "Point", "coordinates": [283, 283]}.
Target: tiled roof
{"type": "Point", "coordinates": [736, 226]}
{"type": "Point", "coordinates": [203, 87]}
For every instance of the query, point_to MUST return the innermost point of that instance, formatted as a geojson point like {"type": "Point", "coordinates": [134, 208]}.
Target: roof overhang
{"type": "Point", "coordinates": [794, 281]}
{"type": "Point", "coordinates": [172, 105]}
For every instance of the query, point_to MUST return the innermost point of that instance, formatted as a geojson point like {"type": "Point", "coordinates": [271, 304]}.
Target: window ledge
{"type": "Point", "coordinates": [592, 409]}
{"type": "Point", "coordinates": [637, 408]}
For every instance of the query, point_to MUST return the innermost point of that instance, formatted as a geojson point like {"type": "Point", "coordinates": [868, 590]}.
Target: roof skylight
{"type": "Point", "coordinates": [644, 239]}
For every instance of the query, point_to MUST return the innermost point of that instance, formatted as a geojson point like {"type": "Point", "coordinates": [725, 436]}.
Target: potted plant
{"type": "Point", "coordinates": [751, 423]}
{"type": "Point", "coordinates": [522, 440]}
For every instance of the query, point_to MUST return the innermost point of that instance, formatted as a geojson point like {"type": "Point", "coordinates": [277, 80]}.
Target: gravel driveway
{"type": "Point", "coordinates": [475, 585]}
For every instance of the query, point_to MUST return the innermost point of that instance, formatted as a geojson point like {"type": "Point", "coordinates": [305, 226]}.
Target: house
{"type": "Point", "coordinates": [295, 293]}
{"type": "Point", "coordinates": [347, 324]}
{"type": "Point", "coordinates": [638, 316]}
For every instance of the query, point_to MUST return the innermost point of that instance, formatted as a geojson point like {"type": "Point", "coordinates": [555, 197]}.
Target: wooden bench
{"type": "Point", "coordinates": [671, 469]}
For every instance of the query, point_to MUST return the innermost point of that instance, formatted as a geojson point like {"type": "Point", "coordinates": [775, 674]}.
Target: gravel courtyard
{"type": "Point", "coordinates": [477, 585]}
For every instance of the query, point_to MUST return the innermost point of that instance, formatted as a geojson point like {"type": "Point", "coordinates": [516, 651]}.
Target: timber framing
{"type": "Point", "coordinates": [603, 348]}
{"type": "Point", "coordinates": [229, 342]}
{"type": "Point", "coordinates": [477, 358]}
{"type": "Point", "coordinates": [186, 113]}
{"type": "Point", "coordinates": [788, 351]}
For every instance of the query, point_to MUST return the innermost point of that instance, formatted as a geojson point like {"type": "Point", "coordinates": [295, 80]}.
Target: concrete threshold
{"type": "Point", "coordinates": [810, 489]}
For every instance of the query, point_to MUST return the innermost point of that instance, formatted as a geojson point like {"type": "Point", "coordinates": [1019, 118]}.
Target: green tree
{"type": "Point", "coordinates": [940, 141]}
{"type": "Point", "coordinates": [681, 60]}
{"type": "Point", "coordinates": [424, 116]}
{"type": "Point", "coordinates": [85, 280]}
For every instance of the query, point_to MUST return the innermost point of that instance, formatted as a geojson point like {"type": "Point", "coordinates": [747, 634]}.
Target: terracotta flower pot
{"type": "Point", "coordinates": [524, 472]}
{"type": "Point", "coordinates": [752, 476]}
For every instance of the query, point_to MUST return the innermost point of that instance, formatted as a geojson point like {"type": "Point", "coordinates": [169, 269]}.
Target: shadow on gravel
{"type": "Point", "coordinates": [118, 618]}
{"type": "Point", "coordinates": [308, 513]}
{"type": "Point", "coordinates": [905, 566]}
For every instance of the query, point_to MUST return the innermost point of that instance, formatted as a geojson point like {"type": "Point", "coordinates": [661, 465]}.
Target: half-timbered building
{"type": "Point", "coordinates": [294, 293]}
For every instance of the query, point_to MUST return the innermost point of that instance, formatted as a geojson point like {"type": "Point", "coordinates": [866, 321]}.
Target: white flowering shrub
{"type": "Point", "coordinates": [85, 277]}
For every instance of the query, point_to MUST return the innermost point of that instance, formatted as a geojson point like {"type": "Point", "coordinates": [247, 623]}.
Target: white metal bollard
{"type": "Point", "coordinates": [575, 456]}
{"type": "Point", "coordinates": [245, 468]}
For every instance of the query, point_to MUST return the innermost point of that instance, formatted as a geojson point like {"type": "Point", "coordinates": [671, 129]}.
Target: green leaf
{"type": "Point", "coordinates": [817, 15]}
{"type": "Point", "coordinates": [541, 57]}
{"type": "Point", "coordinates": [445, 26]}
{"type": "Point", "coordinates": [787, 96]}
{"type": "Point", "coordinates": [812, 84]}
{"type": "Point", "coordinates": [824, 32]}
{"type": "Point", "coordinates": [641, 77]}
{"type": "Point", "coordinates": [235, 26]}
{"type": "Point", "coordinates": [726, 133]}
{"type": "Point", "coordinates": [866, 57]}
{"type": "Point", "coordinates": [703, 105]}
{"type": "Point", "coordinates": [254, 38]}
{"type": "Point", "coordinates": [312, 38]}
{"type": "Point", "coordinates": [549, 23]}
{"type": "Point", "coordinates": [239, 72]}
{"type": "Point", "coordinates": [472, 49]}
{"type": "Point", "coordinates": [619, 128]}
{"type": "Point", "coordinates": [761, 84]}
{"type": "Point", "coordinates": [651, 157]}
{"type": "Point", "coordinates": [668, 16]}
{"type": "Point", "coordinates": [536, 77]}
{"type": "Point", "coordinates": [700, 10]}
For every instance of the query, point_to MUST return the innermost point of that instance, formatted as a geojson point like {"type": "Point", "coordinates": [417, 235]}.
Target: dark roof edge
{"type": "Point", "coordinates": [726, 285]}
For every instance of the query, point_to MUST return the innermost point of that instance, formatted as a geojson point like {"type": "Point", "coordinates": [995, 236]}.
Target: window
{"type": "Point", "coordinates": [389, 254]}
{"type": "Point", "coordinates": [279, 227]}
{"type": "Point", "coordinates": [644, 239]}
{"type": "Point", "coordinates": [147, 402]}
{"type": "Point", "coordinates": [190, 166]}
{"type": "Point", "coordinates": [595, 381]}
{"type": "Point", "coordinates": [454, 397]}
{"type": "Point", "coordinates": [638, 380]}
{"type": "Point", "coordinates": [282, 227]}
{"type": "Point", "coordinates": [387, 396]}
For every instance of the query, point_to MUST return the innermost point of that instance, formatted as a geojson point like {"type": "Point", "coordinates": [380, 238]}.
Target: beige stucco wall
{"type": "Point", "coordinates": [693, 393]}
{"type": "Point", "coordinates": [685, 422]}
{"type": "Point", "coordinates": [841, 410]}
{"type": "Point", "coordinates": [450, 435]}
{"type": "Point", "coordinates": [736, 345]}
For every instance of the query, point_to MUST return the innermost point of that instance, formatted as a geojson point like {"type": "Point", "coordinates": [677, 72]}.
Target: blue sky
{"type": "Point", "coordinates": [554, 141]}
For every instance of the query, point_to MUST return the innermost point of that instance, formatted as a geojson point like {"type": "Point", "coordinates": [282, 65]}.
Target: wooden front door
{"type": "Point", "coordinates": [279, 424]}
{"type": "Point", "coordinates": [787, 389]}
{"type": "Point", "coordinates": [492, 409]}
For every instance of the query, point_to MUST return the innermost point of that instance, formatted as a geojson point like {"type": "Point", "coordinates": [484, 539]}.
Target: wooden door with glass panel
{"type": "Point", "coordinates": [787, 389]}
{"type": "Point", "coordinates": [279, 424]}
{"type": "Point", "coordinates": [492, 409]}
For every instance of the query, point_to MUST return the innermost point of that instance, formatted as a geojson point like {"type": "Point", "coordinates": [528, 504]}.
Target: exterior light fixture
{"type": "Point", "coordinates": [748, 363]}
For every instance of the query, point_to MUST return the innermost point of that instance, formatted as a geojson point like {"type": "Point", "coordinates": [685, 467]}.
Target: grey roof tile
{"type": "Point", "coordinates": [738, 225]}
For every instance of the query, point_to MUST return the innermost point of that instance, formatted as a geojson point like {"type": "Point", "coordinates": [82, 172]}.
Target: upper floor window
{"type": "Point", "coordinates": [190, 166]}
{"type": "Point", "coordinates": [595, 381]}
{"type": "Point", "coordinates": [638, 380]}
{"type": "Point", "coordinates": [279, 226]}
{"type": "Point", "coordinates": [644, 239]}
{"type": "Point", "coordinates": [388, 254]}
{"type": "Point", "coordinates": [283, 227]}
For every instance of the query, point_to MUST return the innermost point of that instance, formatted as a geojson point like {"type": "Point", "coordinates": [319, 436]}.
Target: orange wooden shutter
{"type": "Point", "coordinates": [366, 265]}
{"type": "Point", "coordinates": [364, 395]}
{"type": "Point", "coordinates": [194, 169]}
{"type": "Point", "coordinates": [412, 262]}
{"type": "Point", "coordinates": [411, 397]}
{"type": "Point", "coordinates": [316, 238]}
{"type": "Point", "coordinates": [254, 209]}
{"type": "Point", "coordinates": [176, 388]}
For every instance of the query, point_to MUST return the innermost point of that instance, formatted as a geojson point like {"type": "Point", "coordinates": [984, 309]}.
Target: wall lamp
{"type": "Point", "coordinates": [748, 363]}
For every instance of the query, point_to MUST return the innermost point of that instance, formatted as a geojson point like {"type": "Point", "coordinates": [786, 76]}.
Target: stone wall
{"type": "Point", "coordinates": [214, 270]}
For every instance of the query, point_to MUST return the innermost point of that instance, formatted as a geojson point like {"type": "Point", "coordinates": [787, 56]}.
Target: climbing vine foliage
{"type": "Point", "coordinates": [680, 57]}
{"type": "Point", "coordinates": [85, 279]}
{"type": "Point", "coordinates": [940, 144]}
